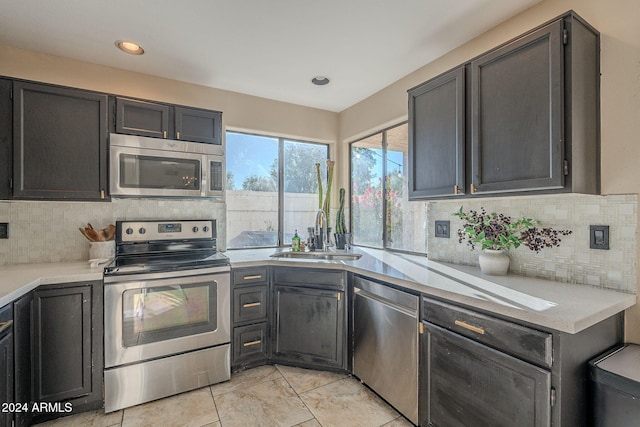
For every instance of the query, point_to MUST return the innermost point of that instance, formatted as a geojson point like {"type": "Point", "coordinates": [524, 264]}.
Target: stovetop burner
{"type": "Point", "coordinates": [159, 246]}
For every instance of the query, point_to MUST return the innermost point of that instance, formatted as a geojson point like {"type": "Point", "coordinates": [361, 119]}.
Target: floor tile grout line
{"type": "Point", "coordinates": [313, 415]}
{"type": "Point", "coordinates": [215, 406]}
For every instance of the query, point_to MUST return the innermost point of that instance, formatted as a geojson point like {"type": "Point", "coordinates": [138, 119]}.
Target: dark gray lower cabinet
{"type": "Point", "coordinates": [22, 313]}
{"type": "Point", "coordinates": [58, 338]}
{"type": "Point", "coordinates": [470, 384]}
{"type": "Point", "coordinates": [250, 303]}
{"type": "Point", "coordinates": [309, 317]}
{"type": "Point", "coordinates": [6, 365]}
{"type": "Point", "coordinates": [479, 370]}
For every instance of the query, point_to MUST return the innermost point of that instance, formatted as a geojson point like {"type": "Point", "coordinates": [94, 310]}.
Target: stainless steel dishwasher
{"type": "Point", "coordinates": [385, 348]}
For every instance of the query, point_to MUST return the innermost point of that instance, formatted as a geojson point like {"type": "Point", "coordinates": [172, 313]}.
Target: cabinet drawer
{"type": "Point", "coordinates": [521, 341]}
{"type": "Point", "coordinates": [252, 275]}
{"type": "Point", "coordinates": [249, 303]}
{"type": "Point", "coordinates": [309, 277]}
{"type": "Point", "coordinates": [250, 343]}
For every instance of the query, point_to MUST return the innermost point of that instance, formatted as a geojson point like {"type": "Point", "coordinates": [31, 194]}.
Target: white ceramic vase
{"type": "Point", "coordinates": [494, 262]}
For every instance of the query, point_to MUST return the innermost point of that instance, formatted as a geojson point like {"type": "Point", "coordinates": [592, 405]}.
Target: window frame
{"type": "Point", "coordinates": [281, 201]}
{"type": "Point", "coordinates": [383, 147]}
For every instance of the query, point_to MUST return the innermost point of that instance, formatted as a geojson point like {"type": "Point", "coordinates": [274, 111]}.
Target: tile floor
{"type": "Point", "coordinates": [264, 396]}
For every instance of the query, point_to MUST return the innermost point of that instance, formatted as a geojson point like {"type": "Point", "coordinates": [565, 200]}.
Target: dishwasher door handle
{"type": "Point", "coordinates": [391, 304]}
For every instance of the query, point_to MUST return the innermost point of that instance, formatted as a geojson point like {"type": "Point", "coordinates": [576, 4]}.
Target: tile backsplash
{"type": "Point", "coordinates": [43, 232]}
{"type": "Point", "coordinates": [572, 261]}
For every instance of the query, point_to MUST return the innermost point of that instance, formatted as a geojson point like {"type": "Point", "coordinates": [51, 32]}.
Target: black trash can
{"type": "Point", "coordinates": [615, 378]}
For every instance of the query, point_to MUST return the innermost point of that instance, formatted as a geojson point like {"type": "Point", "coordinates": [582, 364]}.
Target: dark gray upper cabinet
{"type": "Point", "coordinates": [192, 124]}
{"type": "Point", "coordinates": [6, 138]}
{"type": "Point", "coordinates": [135, 117]}
{"type": "Point", "coordinates": [516, 138]}
{"type": "Point", "coordinates": [157, 120]}
{"type": "Point", "coordinates": [59, 143]}
{"type": "Point", "coordinates": [530, 123]}
{"type": "Point", "coordinates": [437, 132]}
{"type": "Point", "coordinates": [309, 317]}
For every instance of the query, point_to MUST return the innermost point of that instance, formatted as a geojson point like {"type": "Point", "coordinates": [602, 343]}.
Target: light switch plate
{"type": "Point", "coordinates": [443, 229]}
{"type": "Point", "coordinates": [599, 237]}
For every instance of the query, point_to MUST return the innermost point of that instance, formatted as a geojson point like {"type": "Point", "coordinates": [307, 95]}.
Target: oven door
{"type": "Point", "coordinates": [155, 315]}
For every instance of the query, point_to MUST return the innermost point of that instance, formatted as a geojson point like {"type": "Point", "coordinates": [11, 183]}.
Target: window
{"type": "Point", "coordinates": [272, 188]}
{"type": "Point", "coordinates": [381, 213]}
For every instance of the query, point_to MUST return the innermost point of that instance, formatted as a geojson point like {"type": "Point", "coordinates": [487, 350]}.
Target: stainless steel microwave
{"type": "Point", "coordinates": [153, 167]}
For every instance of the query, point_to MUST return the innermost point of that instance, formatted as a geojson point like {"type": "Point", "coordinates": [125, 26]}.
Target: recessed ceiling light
{"type": "Point", "coordinates": [129, 47]}
{"type": "Point", "coordinates": [320, 80]}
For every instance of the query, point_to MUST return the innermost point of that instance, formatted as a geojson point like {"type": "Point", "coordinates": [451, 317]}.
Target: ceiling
{"type": "Point", "coordinates": [266, 48]}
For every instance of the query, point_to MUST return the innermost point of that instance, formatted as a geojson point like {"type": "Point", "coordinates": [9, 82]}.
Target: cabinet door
{"type": "Point", "coordinates": [6, 364]}
{"type": "Point", "coordinates": [517, 140]}
{"type": "Point", "coordinates": [62, 343]}
{"type": "Point", "coordinates": [6, 374]}
{"type": "Point", "coordinates": [309, 325]}
{"type": "Point", "coordinates": [196, 125]}
{"type": "Point", "coordinates": [469, 384]}
{"type": "Point", "coordinates": [6, 139]}
{"type": "Point", "coordinates": [437, 137]}
{"type": "Point", "coordinates": [142, 118]}
{"type": "Point", "coordinates": [60, 143]}
{"type": "Point", "coordinates": [22, 314]}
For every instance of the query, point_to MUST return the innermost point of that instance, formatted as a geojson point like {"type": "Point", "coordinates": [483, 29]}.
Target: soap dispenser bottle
{"type": "Point", "coordinates": [295, 242]}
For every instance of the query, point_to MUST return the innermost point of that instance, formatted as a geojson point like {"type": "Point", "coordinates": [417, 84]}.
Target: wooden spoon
{"type": "Point", "coordinates": [84, 233]}
{"type": "Point", "coordinates": [111, 232]}
{"type": "Point", "coordinates": [92, 234]}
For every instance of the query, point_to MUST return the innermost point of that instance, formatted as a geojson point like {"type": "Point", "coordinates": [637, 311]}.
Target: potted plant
{"type": "Point", "coordinates": [341, 235]}
{"type": "Point", "coordinates": [497, 233]}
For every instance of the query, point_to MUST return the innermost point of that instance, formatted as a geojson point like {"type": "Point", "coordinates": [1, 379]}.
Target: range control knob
{"type": "Point", "coordinates": [142, 230]}
{"type": "Point", "coordinates": [129, 230]}
{"type": "Point", "coordinates": [195, 229]}
{"type": "Point", "coordinates": [205, 229]}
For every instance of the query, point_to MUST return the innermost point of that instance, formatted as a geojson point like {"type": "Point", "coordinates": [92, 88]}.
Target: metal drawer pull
{"type": "Point", "coordinates": [257, 276]}
{"type": "Point", "coordinates": [250, 343]}
{"type": "Point", "coordinates": [5, 325]}
{"type": "Point", "coordinates": [251, 304]}
{"type": "Point", "coordinates": [469, 327]}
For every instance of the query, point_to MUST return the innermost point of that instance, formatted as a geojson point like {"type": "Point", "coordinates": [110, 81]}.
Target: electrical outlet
{"type": "Point", "coordinates": [4, 230]}
{"type": "Point", "coordinates": [599, 237]}
{"type": "Point", "coordinates": [443, 229]}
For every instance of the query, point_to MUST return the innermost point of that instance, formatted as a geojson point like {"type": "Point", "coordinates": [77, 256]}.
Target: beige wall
{"type": "Point", "coordinates": [617, 21]}
{"type": "Point", "coordinates": [240, 112]}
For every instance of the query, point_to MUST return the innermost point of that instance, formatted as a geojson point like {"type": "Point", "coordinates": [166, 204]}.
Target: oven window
{"type": "Point", "coordinates": [160, 313]}
{"type": "Point", "coordinates": [159, 172]}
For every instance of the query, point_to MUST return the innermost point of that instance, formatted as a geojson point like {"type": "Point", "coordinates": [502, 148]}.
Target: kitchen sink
{"type": "Point", "coordinates": [332, 256]}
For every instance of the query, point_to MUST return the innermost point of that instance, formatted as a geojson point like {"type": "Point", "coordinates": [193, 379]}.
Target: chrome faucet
{"type": "Point", "coordinates": [322, 241]}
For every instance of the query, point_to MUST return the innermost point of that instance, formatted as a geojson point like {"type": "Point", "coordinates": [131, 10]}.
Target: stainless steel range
{"type": "Point", "coordinates": [167, 311]}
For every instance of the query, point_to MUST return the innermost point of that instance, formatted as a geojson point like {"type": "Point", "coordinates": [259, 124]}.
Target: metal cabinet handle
{"type": "Point", "coordinates": [5, 325]}
{"type": "Point", "coordinates": [164, 134]}
{"type": "Point", "coordinates": [251, 304]}
{"type": "Point", "coordinates": [257, 276]}
{"type": "Point", "coordinates": [456, 189]}
{"type": "Point", "coordinates": [250, 343]}
{"type": "Point", "coordinates": [473, 189]}
{"type": "Point", "coordinates": [469, 327]}
{"type": "Point", "coordinates": [177, 135]}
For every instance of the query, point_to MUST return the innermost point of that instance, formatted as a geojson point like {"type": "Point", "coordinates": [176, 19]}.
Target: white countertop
{"type": "Point", "coordinates": [560, 306]}
{"type": "Point", "coordinates": [18, 279]}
